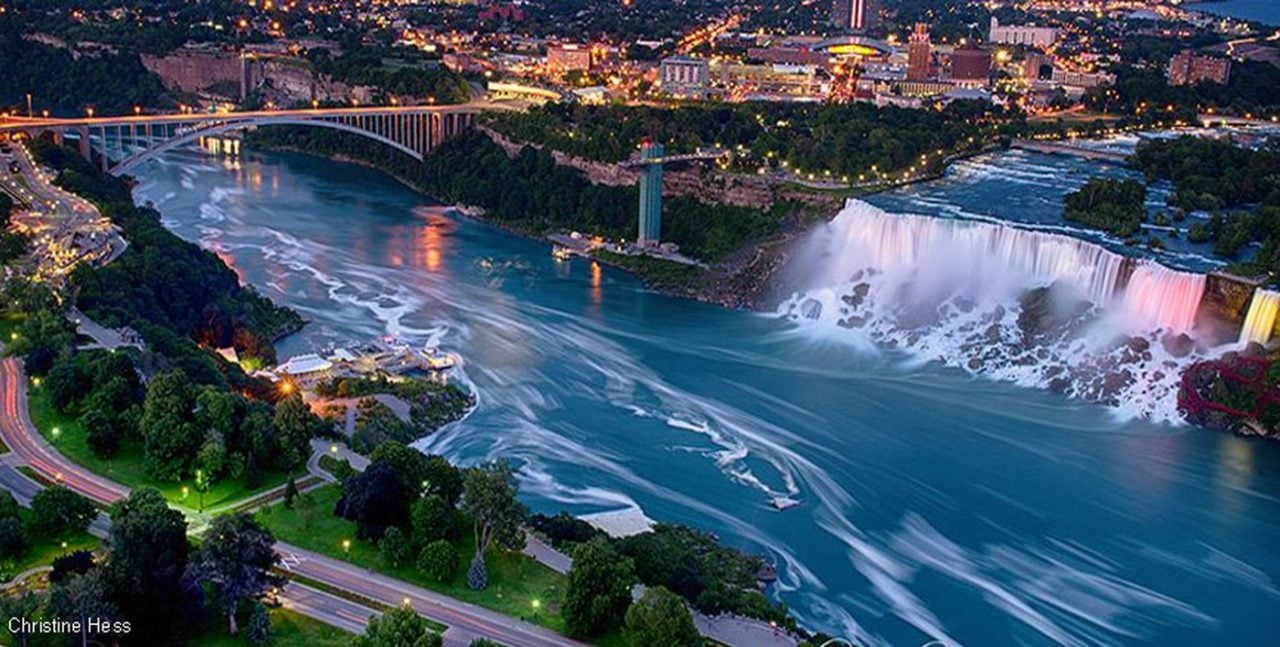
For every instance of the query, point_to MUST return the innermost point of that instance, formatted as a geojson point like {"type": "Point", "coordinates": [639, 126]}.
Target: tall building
{"type": "Point", "coordinates": [918, 53]}
{"type": "Point", "coordinates": [970, 66]}
{"type": "Point", "coordinates": [1021, 34]}
{"type": "Point", "coordinates": [856, 15]}
{"type": "Point", "coordinates": [650, 195]}
{"type": "Point", "coordinates": [684, 75]}
{"type": "Point", "coordinates": [1189, 68]}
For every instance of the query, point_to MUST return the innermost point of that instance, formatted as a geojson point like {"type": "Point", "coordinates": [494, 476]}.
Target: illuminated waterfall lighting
{"type": "Point", "coordinates": [1161, 297]}
{"type": "Point", "coordinates": [1261, 319]}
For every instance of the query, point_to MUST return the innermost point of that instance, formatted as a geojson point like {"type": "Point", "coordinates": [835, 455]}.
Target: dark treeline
{"type": "Point", "coordinates": [164, 287]}
{"type": "Point", "coordinates": [847, 140]}
{"type": "Point", "coordinates": [64, 85]}
{"type": "Point", "coordinates": [392, 73]}
{"type": "Point", "coordinates": [12, 244]}
{"type": "Point", "coordinates": [1116, 206]}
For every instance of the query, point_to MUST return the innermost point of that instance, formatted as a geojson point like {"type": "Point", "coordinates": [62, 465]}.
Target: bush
{"type": "Point", "coordinates": [438, 560]}
{"type": "Point", "coordinates": [13, 538]}
{"type": "Point", "coordinates": [394, 548]}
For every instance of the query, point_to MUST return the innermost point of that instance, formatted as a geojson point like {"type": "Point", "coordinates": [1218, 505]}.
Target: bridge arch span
{"type": "Point", "coordinates": [230, 126]}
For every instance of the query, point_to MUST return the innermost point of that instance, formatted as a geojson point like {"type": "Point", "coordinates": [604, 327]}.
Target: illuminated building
{"type": "Point", "coordinates": [855, 15]}
{"type": "Point", "coordinates": [684, 75]}
{"type": "Point", "coordinates": [970, 66]}
{"type": "Point", "coordinates": [1189, 68]}
{"type": "Point", "coordinates": [918, 53]}
{"type": "Point", "coordinates": [1021, 34]}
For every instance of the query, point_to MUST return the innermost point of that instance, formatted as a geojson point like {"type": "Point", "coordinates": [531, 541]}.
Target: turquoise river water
{"type": "Point", "coordinates": [932, 503]}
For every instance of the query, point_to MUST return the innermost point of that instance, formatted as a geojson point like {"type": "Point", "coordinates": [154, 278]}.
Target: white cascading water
{"type": "Point", "coordinates": [1037, 308]}
{"type": "Point", "coordinates": [1159, 296]}
{"type": "Point", "coordinates": [1261, 319]}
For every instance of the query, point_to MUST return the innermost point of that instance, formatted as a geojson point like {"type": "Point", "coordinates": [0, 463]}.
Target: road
{"type": "Point", "coordinates": [464, 620]}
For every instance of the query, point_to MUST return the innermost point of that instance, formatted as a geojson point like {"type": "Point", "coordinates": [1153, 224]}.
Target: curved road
{"type": "Point", "coordinates": [465, 621]}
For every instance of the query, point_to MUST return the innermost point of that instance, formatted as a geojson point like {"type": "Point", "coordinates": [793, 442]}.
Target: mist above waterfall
{"type": "Point", "coordinates": [1044, 310]}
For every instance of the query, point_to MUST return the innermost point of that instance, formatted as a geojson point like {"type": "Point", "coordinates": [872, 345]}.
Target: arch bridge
{"type": "Point", "coordinates": [122, 143]}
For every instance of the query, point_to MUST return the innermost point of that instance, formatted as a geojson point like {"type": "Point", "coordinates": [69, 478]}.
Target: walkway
{"type": "Point", "coordinates": [103, 337]}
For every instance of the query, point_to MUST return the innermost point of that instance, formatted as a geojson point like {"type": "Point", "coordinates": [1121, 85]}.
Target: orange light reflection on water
{"type": "Point", "coordinates": [597, 283]}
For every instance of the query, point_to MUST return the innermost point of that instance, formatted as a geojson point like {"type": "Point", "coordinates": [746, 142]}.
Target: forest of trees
{"type": "Point", "coordinates": [163, 286]}
{"type": "Point", "coordinates": [1238, 186]}
{"type": "Point", "coordinates": [65, 85]}
{"type": "Point", "coordinates": [844, 139]}
{"type": "Point", "coordinates": [1115, 206]}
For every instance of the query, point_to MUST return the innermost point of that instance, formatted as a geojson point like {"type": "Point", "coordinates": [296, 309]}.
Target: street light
{"type": "Point", "coordinates": [346, 547]}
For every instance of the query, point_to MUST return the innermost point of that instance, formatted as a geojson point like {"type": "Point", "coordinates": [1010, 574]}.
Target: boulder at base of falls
{"type": "Point", "coordinates": [1179, 345]}
{"type": "Point", "coordinates": [1050, 311]}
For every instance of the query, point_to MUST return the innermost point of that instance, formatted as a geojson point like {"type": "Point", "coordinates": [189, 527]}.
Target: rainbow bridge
{"type": "Point", "coordinates": [122, 143]}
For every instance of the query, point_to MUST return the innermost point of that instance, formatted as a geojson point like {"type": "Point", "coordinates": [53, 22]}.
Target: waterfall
{"type": "Point", "coordinates": [1157, 296]}
{"type": "Point", "coordinates": [863, 236]}
{"type": "Point", "coordinates": [973, 295]}
{"type": "Point", "coordinates": [1261, 319]}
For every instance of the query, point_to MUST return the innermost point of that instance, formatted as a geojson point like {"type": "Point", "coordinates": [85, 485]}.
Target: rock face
{"type": "Point", "coordinates": [1227, 295]}
{"type": "Point", "coordinates": [228, 75]}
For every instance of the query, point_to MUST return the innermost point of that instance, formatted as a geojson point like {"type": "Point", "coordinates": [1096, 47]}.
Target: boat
{"type": "Point", "coordinates": [561, 253]}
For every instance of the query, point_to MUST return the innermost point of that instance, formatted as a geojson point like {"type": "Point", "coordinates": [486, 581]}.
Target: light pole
{"type": "Point", "coordinates": [346, 548]}
{"type": "Point", "coordinates": [201, 484]}
{"type": "Point", "coordinates": [29, 112]}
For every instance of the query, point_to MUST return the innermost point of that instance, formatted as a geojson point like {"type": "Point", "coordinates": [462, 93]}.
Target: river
{"type": "Point", "coordinates": [932, 504]}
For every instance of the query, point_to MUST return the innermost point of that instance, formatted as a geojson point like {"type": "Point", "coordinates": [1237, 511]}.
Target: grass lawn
{"type": "Point", "coordinates": [44, 550]}
{"type": "Point", "coordinates": [290, 629]}
{"type": "Point", "coordinates": [127, 467]}
{"type": "Point", "coordinates": [515, 581]}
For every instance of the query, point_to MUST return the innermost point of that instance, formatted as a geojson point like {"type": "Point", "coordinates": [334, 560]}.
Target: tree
{"type": "Point", "coordinates": [13, 538]}
{"type": "Point", "coordinates": [290, 493]}
{"type": "Point", "coordinates": [438, 560]}
{"type": "Point", "coordinates": [144, 577]}
{"type": "Point", "coordinates": [489, 498]}
{"type": "Point", "coordinates": [394, 548]}
{"type": "Point", "coordinates": [83, 597]}
{"type": "Point", "coordinates": [9, 508]}
{"type": "Point", "coordinates": [599, 589]}
{"type": "Point", "coordinates": [101, 432]}
{"type": "Point", "coordinates": [375, 499]}
{"type": "Point", "coordinates": [43, 337]}
{"type": "Point", "coordinates": [409, 463]}
{"type": "Point", "coordinates": [443, 479]}
{"type": "Point", "coordinates": [399, 627]}
{"type": "Point", "coordinates": [660, 617]}
{"type": "Point", "coordinates": [170, 437]}
{"type": "Point", "coordinates": [56, 511]}
{"type": "Point", "coordinates": [212, 458]}
{"type": "Point", "coordinates": [293, 423]}
{"type": "Point", "coordinates": [259, 632]}
{"type": "Point", "coordinates": [68, 566]}
{"type": "Point", "coordinates": [236, 558]}
{"type": "Point", "coordinates": [433, 519]}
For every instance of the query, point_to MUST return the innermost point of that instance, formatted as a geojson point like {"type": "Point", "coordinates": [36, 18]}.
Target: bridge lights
{"type": "Point", "coordinates": [315, 104]}
{"type": "Point", "coordinates": [137, 110]}
{"type": "Point", "coordinates": [90, 112]}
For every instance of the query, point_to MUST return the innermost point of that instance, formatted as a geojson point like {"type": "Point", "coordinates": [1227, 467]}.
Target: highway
{"type": "Point", "coordinates": [464, 620]}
